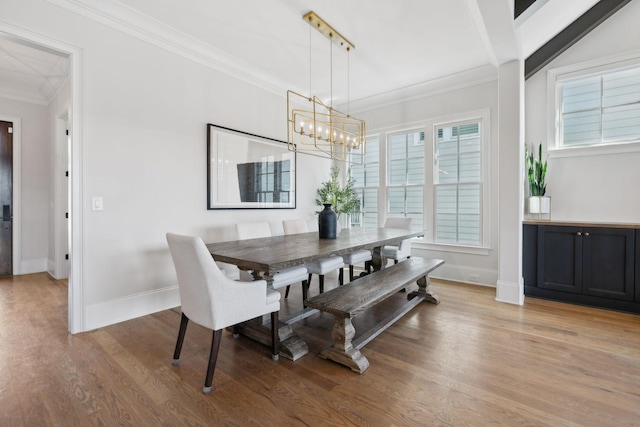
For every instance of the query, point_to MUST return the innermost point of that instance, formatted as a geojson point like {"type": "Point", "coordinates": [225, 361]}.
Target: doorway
{"type": "Point", "coordinates": [74, 120]}
{"type": "Point", "coordinates": [6, 198]}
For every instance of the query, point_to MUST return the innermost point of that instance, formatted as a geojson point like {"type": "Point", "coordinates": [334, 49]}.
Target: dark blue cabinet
{"type": "Point", "coordinates": [595, 266]}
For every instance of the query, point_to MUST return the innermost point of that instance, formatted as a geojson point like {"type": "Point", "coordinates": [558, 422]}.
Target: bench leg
{"type": "Point", "coordinates": [424, 291]}
{"type": "Point", "coordinates": [343, 351]}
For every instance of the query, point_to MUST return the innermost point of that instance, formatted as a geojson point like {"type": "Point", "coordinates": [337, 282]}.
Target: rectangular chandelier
{"type": "Point", "coordinates": [318, 129]}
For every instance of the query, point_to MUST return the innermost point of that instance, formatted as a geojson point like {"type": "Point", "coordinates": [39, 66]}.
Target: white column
{"type": "Point", "coordinates": [510, 287]}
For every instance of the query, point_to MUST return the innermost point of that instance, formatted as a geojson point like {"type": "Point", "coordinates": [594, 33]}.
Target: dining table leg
{"type": "Point", "coordinates": [259, 329]}
{"type": "Point", "coordinates": [377, 261]}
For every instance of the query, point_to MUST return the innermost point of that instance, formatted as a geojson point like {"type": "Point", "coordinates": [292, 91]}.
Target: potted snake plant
{"type": "Point", "coordinates": [536, 175]}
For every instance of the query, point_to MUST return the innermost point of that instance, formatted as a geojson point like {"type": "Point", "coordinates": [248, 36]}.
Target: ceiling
{"type": "Point", "coordinates": [30, 73]}
{"type": "Point", "coordinates": [404, 44]}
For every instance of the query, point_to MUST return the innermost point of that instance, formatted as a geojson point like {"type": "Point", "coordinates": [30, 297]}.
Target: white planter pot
{"type": "Point", "coordinates": [539, 204]}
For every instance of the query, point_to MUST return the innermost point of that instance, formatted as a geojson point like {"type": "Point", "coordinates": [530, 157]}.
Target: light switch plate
{"type": "Point", "coordinates": [97, 204]}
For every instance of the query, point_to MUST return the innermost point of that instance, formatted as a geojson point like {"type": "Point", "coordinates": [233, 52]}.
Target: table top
{"type": "Point", "coordinates": [272, 254]}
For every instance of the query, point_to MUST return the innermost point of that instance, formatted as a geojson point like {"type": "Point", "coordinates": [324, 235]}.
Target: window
{"type": "Point", "coordinates": [267, 181]}
{"type": "Point", "coordinates": [367, 179]}
{"type": "Point", "coordinates": [458, 183]}
{"type": "Point", "coordinates": [450, 202]}
{"type": "Point", "coordinates": [600, 109]}
{"type": "Point", "coordinates": [405, 184]}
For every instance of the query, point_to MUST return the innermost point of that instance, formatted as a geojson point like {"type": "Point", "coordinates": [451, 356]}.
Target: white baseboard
{"type": "Point", "coordinates": [512, 293]}
{"type": "Point", "coordinates": [110, 312]}
{"type": "Point", "coordinates": [51, 268]}
{"type": "Point", "coordinates": [466, 274]}
{"type": "Point", "coordinates": [30, 266]}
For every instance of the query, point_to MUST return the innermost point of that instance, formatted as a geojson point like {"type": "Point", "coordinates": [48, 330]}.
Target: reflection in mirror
{"type": "Point", "coordinates": [247, 171]}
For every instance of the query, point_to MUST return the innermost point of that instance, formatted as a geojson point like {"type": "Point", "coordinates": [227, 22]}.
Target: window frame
{"type": "Point", "coordinates": [387, 176]}
{"type": "Point", "coordinates": [458, 183]}
{"type": "Point", "coordinates": [483, 116]}
{"type": "Point", "coordinates": [428, 126]}
{"type": "Point", "coordinates": [594, 68]}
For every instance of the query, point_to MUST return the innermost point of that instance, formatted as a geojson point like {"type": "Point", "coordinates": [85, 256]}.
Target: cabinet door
{"type": "Point", "coordinates": [608, 263]}
{"type": "Point", "coordinates": [560, 258]}
{"type": "Point", "coordinates": [529, 254]}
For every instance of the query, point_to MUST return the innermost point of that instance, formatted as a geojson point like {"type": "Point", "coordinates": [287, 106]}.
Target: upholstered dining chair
{"type": "Point", "coordinates": [396, 253]}
{"type": "Point", "coordinates": [214, 301]}
{"type": "Point", "coordinates": [350, 259]}
{"type": "Point", "coordinates": [320, 267]}
{"type": "Point", "coordinates": [286, 277]}
{"type": "Point", "coordinates": [357, 257]}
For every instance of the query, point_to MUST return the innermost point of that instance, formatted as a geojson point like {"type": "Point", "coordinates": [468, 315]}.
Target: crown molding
{"type": "Point", "coordinates": [121, 17]}
{"type": "Point", "coordinates": [462, 80]}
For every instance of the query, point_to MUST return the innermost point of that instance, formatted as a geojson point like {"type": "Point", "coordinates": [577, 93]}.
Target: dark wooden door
{"type": "Point", "coordinates": [560, 258]}
{"type": "Point", "coordinates": [6, 198]}
{"type": "Point", "coordinates": [637, 267]}
{"type": "Point", "coordinates": [608, 263]}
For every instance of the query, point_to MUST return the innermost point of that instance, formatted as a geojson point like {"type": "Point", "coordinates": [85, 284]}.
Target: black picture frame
{"type": "Point", "coordinates": [247, 171]}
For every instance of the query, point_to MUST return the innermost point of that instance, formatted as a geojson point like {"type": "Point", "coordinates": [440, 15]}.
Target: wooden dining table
{"type": "Point", "coordinates": [268, 255]}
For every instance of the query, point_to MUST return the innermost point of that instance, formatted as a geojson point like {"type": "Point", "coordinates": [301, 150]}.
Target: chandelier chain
{"type": "Point", "coordinates": [310, 92]}
{"type": "Point", "coordinates": [348, 81]}
{"type": "Point", "coordinates": [331, 72]}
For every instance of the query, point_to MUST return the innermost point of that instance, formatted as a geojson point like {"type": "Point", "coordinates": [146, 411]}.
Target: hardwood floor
{"type": "Point", "coordinates": [467, 361]}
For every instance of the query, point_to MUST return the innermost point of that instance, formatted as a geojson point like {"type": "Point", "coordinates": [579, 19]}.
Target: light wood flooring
{"type": "Point", "coordinates": [469, 361]}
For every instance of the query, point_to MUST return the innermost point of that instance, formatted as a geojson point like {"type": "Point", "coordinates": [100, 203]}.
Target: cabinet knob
{"type": "Point", "coordinates": [579, 233]}
{"type": "Point", "coordinates": [586, 234]}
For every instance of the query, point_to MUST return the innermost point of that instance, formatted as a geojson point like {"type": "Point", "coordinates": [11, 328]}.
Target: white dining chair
{"type": "Point", "coordinates": [320, 267]}
{"type": "Point", "coordinates": [286, 277]}
{"type": "Point", "coordinates": [214, 301]}
{"type": "Point", "coordinates": [402, 251]}
{"type": "Point", "coordinates": [358, 257]}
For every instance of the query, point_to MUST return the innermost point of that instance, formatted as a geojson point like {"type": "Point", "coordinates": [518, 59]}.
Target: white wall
{"type": "Point", "coordinates": [589, 188]}
{"type": "Point", "coordinates": [144, 151]}
{"type": "Point", "coordinates": [465, 267]}
{"type": "Point", "coordinates": [34, 172]}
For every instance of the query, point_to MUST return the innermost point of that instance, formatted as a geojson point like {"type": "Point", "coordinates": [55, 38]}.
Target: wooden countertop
{"type": "Point", "coordinates": [582, 224]}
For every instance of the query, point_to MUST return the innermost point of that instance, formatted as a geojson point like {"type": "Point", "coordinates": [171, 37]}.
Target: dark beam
{"type": "Point", "coordinates": [520, 6]}
{"type": "Point", "coordinates": [593, 17]}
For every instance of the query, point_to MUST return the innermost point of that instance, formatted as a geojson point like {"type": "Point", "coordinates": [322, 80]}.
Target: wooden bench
{"type": "Point", "coordinates": [346, 302]}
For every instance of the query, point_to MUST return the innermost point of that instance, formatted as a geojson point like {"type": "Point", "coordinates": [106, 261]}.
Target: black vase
{"type": "Point", "coordinates": [327, 222]}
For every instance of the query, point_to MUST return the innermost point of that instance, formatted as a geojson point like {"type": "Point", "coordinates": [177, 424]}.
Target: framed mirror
{"type": "Point", "coordinates": [246, 171]}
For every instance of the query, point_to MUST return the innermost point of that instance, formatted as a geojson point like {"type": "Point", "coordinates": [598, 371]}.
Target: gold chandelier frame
{"type": "Point", "coordinates": [318, 129]}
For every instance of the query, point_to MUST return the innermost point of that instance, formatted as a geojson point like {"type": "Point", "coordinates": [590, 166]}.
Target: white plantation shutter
{"type": "Point", "coordinates": [405, 189]}
{"type": "Point", "coordinates": [458, 184]}
{"type": "Point", "coordinates": [367, 180]}
{"type": "Point", "coordinates": [601, 109]}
